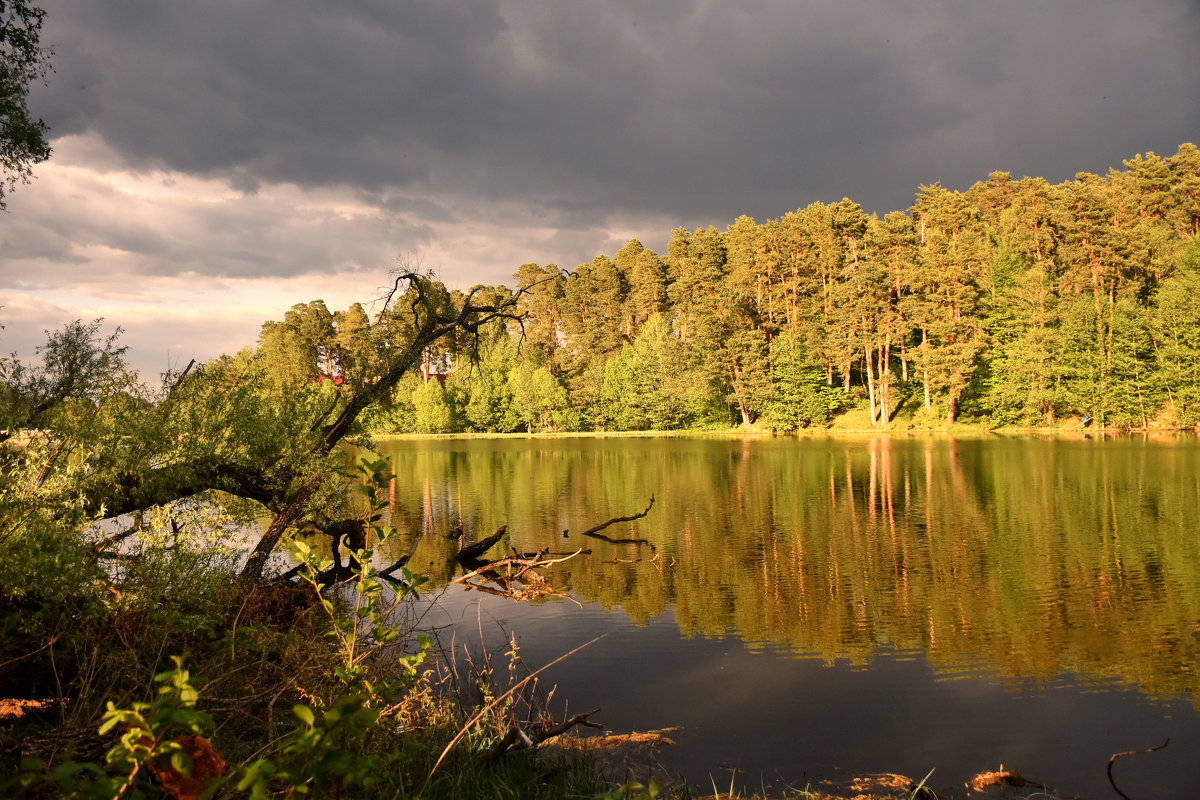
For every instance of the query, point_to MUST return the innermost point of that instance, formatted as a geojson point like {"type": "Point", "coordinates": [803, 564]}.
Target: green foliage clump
{"type": "Point", "coordinates": [802, 397]}
{"type": "Point", "coordinates": [23, 62]}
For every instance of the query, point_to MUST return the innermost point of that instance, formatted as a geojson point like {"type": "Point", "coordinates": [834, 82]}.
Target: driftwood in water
{"type": "Point", "coordinates": [515, 576]}
{"type": "Point", "coordinates": [594, 532]}
{"type": "Point", "coordinates": [1115, 756]}
{"type": "Point", "coordinates": [518, 738]}
{"type": "Point", "coordinates": [472, 552]}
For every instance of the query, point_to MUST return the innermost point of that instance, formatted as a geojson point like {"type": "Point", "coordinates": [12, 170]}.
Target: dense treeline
{"type": "Point", "coordinates": [1014, 302]}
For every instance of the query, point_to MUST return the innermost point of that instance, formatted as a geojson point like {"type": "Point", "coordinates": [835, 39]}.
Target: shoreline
{"type": "Point", "coordinates": [966, 431]}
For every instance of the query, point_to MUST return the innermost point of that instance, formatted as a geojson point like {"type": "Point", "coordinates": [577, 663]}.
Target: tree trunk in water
{"type": "Point", "coordinates": [291, 513]}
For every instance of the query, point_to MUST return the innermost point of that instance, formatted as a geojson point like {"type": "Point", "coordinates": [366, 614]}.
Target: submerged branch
{"type": "Point", "coordinates": [594, 532]}
{"type": "Point", "coordinates": [1115, 756]}
{"type": "Point", "coordinates": [520, 739]}
{"type": "Point", "coordinates": [402, 561]}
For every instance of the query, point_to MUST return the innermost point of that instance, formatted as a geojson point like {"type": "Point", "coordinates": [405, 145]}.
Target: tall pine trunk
{"type": "Point", "coordinates": [870, 352]}
{"type": "Point", "coordinates": [925, 368]}
{"type": "Point", "coordinates": [884, 381]}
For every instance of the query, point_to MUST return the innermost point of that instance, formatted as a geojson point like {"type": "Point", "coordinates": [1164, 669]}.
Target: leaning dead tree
{"type": "Point", "coordinates": [173, 462]}
{"type": "Point", "coordinates": [433, 317]}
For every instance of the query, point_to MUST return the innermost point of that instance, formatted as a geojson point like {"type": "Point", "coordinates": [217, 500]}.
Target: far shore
{"type": "Point", "coordinates": [956, 431]}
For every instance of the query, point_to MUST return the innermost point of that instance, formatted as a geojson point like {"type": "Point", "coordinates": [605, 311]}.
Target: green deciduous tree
{"type": "Point", "coordinates": [801, 396]}
{"type": "Point", "coordinates": [23, 61]}
{"type": "Point", "coordinates": [539, 399]}
{"type": "Point", "coordinates": [77, 363]}
{"type": "Point", "coordinates": [437, 409]}
{"type": "Point", "coordinates": [1111, 378]}
{"type": "Point", "coordinates": [489, 404]}
{"type": "Point", "coordinates": [646, 388]}
{"type": "Point", "coordinates": [1175, 329]}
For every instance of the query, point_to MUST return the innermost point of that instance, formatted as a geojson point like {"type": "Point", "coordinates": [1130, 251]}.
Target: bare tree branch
{"type": "Point", "coordinates": [1115, 756]}
{"type": "Point", "coordinates": [520, 739]}
{"type": "Point", "coordinates": [594, 532]}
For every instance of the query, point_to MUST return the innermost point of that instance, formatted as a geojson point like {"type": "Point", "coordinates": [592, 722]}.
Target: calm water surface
{"type": "Point", "coordinates": [805, 609]}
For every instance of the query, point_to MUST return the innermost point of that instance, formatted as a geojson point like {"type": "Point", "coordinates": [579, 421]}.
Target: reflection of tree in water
{"type": "Point", "coordinates": [1032, 558]}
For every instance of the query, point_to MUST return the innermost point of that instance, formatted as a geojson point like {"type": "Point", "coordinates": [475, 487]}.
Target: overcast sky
{"type": "Point", "coordinates": [215, 162]}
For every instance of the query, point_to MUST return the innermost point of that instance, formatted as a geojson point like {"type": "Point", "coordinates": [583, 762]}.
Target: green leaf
{"type": "Point", "coordinates": [181, 763]}
{"type": "Point", "coordinates": [304, 714]}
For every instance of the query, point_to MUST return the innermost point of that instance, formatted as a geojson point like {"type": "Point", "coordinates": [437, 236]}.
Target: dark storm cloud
{"type": "Point", "coordinates": [690, 111]}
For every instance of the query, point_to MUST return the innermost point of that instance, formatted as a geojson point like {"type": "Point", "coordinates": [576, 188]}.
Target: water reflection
{"type": "Point", "coordinates": [1026, 559]}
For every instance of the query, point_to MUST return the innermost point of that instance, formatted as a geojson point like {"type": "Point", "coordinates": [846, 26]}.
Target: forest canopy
{"type": "Point", "coordinates": [1015, 302]}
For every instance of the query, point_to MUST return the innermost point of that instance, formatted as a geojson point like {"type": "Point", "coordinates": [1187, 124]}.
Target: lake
{"type": "Point", "coordinates": [813, 608]}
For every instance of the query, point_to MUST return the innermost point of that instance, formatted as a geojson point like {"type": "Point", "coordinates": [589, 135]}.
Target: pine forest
{"type": "Point", "coordinates": [1015, 302]}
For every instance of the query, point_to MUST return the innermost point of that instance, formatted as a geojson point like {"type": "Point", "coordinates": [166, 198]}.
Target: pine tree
{"type": "Point", "coordinates": [539, 305]}
{"type": "Point", "coordinates": [358, 355]}
{"type": "Point", "coordinates": [1185, 191]}
{"type": "Point", "coordinates": [952, 271]}
{"type": "Point", "coordinates": [645, 275]}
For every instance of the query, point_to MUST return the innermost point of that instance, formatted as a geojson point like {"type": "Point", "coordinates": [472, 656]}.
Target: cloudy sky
{"type": "Point", "coordinates": [215, 162]}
